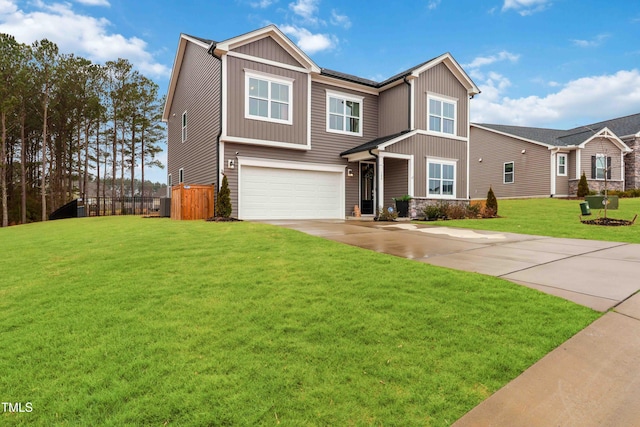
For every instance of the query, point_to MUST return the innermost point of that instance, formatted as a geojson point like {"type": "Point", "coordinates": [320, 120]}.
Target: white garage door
{"type": "Point", "coordinates": [277, 193]}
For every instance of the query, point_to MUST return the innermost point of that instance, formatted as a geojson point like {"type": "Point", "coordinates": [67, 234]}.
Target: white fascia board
{"type": "Point", "coordinates": [266, 143]}
{"type": "Point", "coordinates": [454, 67]}
{"type": "Point", "coordinates": [608, 134]}
{"type": "Point", "coordinates": [360, 156]}
{"type": "Point", "coordinates": [173, 80]}
{"type": "Point", "coordinates": [280, 38]}
{"type": "Point", "coordinates": [550, 147]}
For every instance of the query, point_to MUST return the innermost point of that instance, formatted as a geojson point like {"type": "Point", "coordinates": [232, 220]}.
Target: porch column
{"type": "Point", "coordinates": [380, 170]}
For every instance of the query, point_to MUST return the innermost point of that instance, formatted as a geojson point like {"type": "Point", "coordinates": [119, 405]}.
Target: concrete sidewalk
{"type": "Point", "coordinates": [593, 379]}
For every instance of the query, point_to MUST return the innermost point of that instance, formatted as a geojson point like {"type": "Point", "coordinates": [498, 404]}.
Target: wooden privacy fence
{"type": "Point", "coordinates": [191, 202]}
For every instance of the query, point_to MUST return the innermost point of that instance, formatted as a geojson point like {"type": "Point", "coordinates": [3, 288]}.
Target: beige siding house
{"type": "Point", "coordinates": [297, 141]}
{"type": "Point", "coordinates": [534, 162]}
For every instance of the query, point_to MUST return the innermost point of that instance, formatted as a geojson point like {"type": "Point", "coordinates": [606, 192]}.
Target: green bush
{"type": "Point", "coordinates": [492, 202]}
{"type": "Point", "coordinates": [389, 214]}
{"type": "Point", "coordinates": [583, 186]}
{"type": "Point", "coordinates": [455, 211]}
{"type": "Point", "coordinates": [432, 212]}
{"type": "Point", "coordinates": [223, 202]}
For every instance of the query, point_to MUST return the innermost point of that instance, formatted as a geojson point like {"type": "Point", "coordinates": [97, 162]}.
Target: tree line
{"type": "Point", "coordinates": [66, 121]}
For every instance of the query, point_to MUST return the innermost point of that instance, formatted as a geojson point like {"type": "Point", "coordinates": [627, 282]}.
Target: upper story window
{"type": "Point", "coordinates": [509, 176]}
{"type": "Point", "coordinates": [180, 175]}
{"type": "Point", "coordinates": [562, 164]}
{"type": "Point", "coordinates": [268, 97]}
{"type": "Point", "coordinates": [184, 126]}
{"type": "Point", "coordinates": [344, 113]}
{"type": "Point", "coordinates": [441, 181]}
{"type": "Point", "coordinates": [442, 115]}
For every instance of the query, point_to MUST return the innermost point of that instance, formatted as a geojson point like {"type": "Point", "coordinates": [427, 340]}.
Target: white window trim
{"type": "Point", "coordinates": [249, 74]}
{"type": "Point", "coordinates": [448, 100]}
{"type": "Point", "coordinates": [513, 172]}
{"type": "Point", "coordinates": [439, 161]}
{"type": "Point", "coordinates": [345, 97]}
{"type": "Point", "coordinates": [184, 122]}
{"type": "Point", "coordinates": [181, 176]}
{"type": "Point", "coordinates": [566, 159]}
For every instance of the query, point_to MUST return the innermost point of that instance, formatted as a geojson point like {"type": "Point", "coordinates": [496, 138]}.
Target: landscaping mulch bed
{"type": "Point", "coordinates": [222, 219]}
{"type": "Point", "coordinates": [611, 222]}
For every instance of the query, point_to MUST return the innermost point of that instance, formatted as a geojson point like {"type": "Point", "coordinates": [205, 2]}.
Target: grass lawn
{"type": "Point", "coordinates": [556, 218]}
{"type": "Point", "coordinates": [129, 321]}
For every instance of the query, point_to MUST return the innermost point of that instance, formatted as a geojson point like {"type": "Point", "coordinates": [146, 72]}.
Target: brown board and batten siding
{"type": "Point", "coordinates": [393, 108]}
{"type": "Point", "coordinates": [198, 93]}
{"type": "Point", "coordinates": [531, 169]}
{"type": "Point", "coordinates": [396, 180]}
{"type": "Point", "coordinates": [239, 126]}
{"type": "Point", "coordinates": [440, 81]}
{"type": "Point", "coordinates": [268, 48]}
{"type": "Point", "coordinates": [435, 147]}
{"type": "Point", "coordinates": [605, 147]}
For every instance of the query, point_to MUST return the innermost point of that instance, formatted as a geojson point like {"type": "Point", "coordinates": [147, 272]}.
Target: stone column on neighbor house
{"type": "Point", "coordinates": [632, 165]}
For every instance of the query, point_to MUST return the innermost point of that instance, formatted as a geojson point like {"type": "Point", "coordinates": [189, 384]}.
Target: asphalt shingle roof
{"type": "Point", "coordinates": [621, 126]}
{"type": "Point", "coordinates": [373, 143]}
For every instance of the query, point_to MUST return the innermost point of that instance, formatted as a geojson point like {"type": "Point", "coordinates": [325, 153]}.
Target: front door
{"type": "Point", "coordinates": [367, 188]}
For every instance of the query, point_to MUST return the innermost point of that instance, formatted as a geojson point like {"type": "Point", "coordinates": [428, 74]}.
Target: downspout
{"type": "Point", "coordinates": [408, 102]}
{"type": "Point", "coordinates": [375, 208]}
{"type": "Point", "coordinates": [211, 51]}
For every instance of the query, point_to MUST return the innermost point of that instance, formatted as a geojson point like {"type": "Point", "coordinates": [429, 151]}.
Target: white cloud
{"type": "Point", "coordinates": [487, 60]}
{"type": "Point", "coordinates": [583, 100]}
{"type": "Point", "coordinates": [262, 4]}
{"type": "Point", "coordinates": [433, 4]}
{"type": "Point", "coordinates": [526, 7]}
{"type": "Point", "coordinates": [340, 20]}
{"type": "Point", "coordinates": [309, 42]}
{"type": "Point", "coordinates": [82, 35]}
{"type": "Point", "coordinates": [94, 2]}
{"type": "Point", "coordinates": [305, 8]}
{"type": "Point", "coordinates": [594, 42]}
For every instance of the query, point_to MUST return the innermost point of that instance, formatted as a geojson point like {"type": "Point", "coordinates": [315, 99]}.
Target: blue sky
{"type": "Point", "coordinates": [560, 63]}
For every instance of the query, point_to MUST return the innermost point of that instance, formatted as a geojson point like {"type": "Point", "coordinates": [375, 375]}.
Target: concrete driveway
{"type": "Point", "coordinates": [592, 380]}
{"type": "Point", "coordinates": [596, 274]}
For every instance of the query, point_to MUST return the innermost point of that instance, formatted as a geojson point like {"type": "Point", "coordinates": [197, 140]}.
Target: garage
{"type": "Point", "coordinates": [289, 190]}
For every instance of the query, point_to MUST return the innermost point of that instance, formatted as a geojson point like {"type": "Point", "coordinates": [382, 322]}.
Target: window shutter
{"type": "Point", "coordinates": [593, 167]}
{"type": "Point", "coordinates": [608, 167]}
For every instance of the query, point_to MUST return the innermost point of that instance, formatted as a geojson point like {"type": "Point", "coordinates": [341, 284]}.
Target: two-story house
{"type": "Point", "coordinates": [297, 141]}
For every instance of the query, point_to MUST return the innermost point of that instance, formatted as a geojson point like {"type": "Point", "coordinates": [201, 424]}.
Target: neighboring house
{"type": "Point", "coordinates": [299, 141]}
{"type": "Point", "coordinates": [534, 162]}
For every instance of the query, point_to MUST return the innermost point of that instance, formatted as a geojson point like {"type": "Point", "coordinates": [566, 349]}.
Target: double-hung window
{"type": "Point", "coordinates": [441, 181]}
{"type": "Point", "coordinates": [509, 176]}
{"type": "Point", "coordinates": [442, 115]}
{"type": "Point", "coordinates": [600, 166]}
{"type": "Point", "coordinates": [344, 113]}
{"type": "Point", "coordinates": [562, 165]}
{"type": "Point", "coordinates": [268, 98]}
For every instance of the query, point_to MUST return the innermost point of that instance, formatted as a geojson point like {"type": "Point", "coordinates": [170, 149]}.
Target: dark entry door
{"type": "Point", "coordinates": [367, 188]}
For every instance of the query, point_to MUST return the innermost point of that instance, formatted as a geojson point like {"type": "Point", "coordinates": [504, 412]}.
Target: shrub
{"type": "Point", "coordinates": [432, 212]}
{"type": "Point", "coordinates": [223, 202]}
{"type": "Point", "coordinates": [583, 186]}
{"type": "Point", "coordinates": [488, 212]}
{"type": "Point", "coordinates": [454, 211]}
{"type": "Point", "coordinates": [474, 210]}
{"type": "Point", "coordinates": [492, 202]}
{"type": "Point", "coordinates": [389, 214]}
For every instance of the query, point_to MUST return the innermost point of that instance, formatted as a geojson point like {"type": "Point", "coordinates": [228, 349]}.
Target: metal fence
{"type": "Point", "coordinates": [136, 205]}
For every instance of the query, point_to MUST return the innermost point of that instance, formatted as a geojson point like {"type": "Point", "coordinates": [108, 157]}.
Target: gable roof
{"type": "Point", "coordinates": [375, 143]}
{"type": "Point", "coordinates": [579, 136]}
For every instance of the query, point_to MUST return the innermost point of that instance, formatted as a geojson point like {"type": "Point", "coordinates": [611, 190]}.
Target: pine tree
{"type": "Point", "coordinates": [583, 186]}
{"type": "Point", "coordinates": [492, 202]}
{"type": "Point", "coordinates": [223, 202]}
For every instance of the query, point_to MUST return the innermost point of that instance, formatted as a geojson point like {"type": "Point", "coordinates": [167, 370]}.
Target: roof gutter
{"type": "Point", "coordinates": [211, 51]}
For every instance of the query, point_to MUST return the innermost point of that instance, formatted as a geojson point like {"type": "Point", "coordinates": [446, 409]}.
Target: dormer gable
{"type": "Point", "coordinates": [281, 50]}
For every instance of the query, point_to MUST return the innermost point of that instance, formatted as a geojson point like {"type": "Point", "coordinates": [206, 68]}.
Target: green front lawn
{"type": "Point", "coordinates": [129, 321]}
{"type": "Point", "coordinates": [556, 218]}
